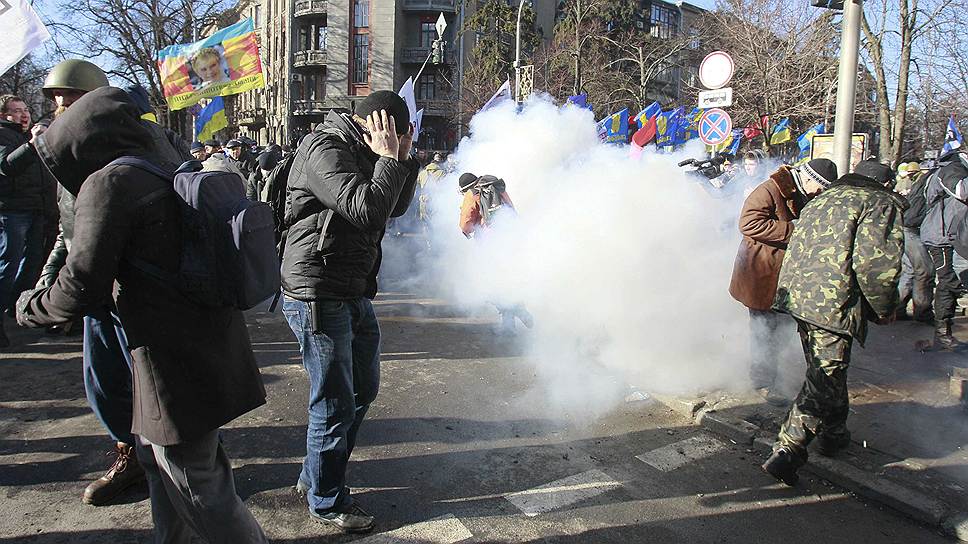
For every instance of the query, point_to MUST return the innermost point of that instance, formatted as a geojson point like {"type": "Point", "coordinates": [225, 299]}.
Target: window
{"type": "Point", "coordinates": [665, 21]}
{"type": "Point", "coordinates": [427, 87]}
{"type": "Point", "coordinates": [360, 48]}
{"type": "Point", "coordinates": [361, 14]}
{"type": "Point", "coordinates": [305, 38]}
{"type": "Point", "coordinates": [694, 42]}
{"type": "Point", "coordinates": [361, 59]}
{"type": "Point", "coordinates": [257, 16]}
{"type": "Point", "coordinates": [428, 33]}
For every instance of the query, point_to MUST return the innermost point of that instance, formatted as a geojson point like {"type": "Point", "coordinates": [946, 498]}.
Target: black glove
{"type": "Point", "coordinates": [23, 306]}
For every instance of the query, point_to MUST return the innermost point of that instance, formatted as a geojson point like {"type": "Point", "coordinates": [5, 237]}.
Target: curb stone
{"type": "Point", "coordinates": [908, 502]}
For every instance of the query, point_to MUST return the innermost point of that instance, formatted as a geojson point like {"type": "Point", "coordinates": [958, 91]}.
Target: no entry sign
{"type": "Point", "coordinates": [716, 70]}
{"type": "Point", "coordinates": [715, 127]}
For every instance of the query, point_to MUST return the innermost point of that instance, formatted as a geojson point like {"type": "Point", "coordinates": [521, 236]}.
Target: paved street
{"type": "Point", "coordinates": [459, 447]}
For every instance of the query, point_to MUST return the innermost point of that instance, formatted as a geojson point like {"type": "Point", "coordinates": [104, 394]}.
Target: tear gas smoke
{"type": "Point", "coordinates": [624, 262]}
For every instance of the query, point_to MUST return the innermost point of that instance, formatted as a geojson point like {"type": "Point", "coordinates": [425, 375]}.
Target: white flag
{"type": "Point", "coordinates": [416, 128]}
{"type": "Point", "coordinates": [406, 92]}
{"type": "Point", "coordinates": [502, 95]}
{"type": "Point", "coordinates": [22, 32]}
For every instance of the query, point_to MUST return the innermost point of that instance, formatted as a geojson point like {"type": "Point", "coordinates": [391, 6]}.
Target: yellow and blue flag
{"type": "Point", "coordinates": [781, 133]}
{"type": "Point", "coordinates": [689, 126]}
{"type": "Point", "coordinates": [667, 126]}
{"type": "Point", "coordinates": [580, 100]}
{"type": "Point", "coordinates": [225, 63]}
{"type": "Point", "coordinates": [614, 129]}
{"type": "Point", "coordinates": [650, 111]}
{"type": "Point", "coordinates": [211, 119]}
{"type": "Point", "coordinates": [805, 141]}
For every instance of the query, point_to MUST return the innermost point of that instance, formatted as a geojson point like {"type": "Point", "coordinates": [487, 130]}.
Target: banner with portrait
{"type": "Point", "coordinates": [225, 63]}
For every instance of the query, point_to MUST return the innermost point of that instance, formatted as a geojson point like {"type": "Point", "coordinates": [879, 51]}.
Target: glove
{"type": "Point", "coordinates": [23, 306]}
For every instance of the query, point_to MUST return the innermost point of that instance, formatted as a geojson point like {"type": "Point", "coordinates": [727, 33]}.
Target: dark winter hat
{"type": "Point", "coordinates": [466, 181]}
{"type": "Point", "coordinates": [232, 144]}
{"type": "Point", "coordinates": [267, 160]}
{"type": "Point", "coordinates": [213, 143]}
{"type": "Point", "coordinates": [390, 101]}
{"type": "Point", "coordinates": [197, 146]}
{"type": "Point", "coordinates": [823, 171]}
{"type": "Point", "coordinates": [881, 173]}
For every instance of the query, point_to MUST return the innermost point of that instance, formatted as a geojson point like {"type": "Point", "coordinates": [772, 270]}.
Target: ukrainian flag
{"type": "Point", "coordinates": [211, 119]}
{"type": "Point", "coordinates": [805, 142]}
{"type": "Point", "coordinates": [781, 133]}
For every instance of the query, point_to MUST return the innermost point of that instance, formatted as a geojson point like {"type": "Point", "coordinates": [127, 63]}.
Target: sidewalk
{"type": "Point", "coordinates": [909, 431]}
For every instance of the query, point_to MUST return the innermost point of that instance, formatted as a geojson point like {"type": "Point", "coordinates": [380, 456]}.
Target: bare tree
{"type": "Point", "coordinates": [894, 31]}
{"type": "Point", "coordinates": [26, 80]}
{"type": "Point", "coordinates": [786, 58]}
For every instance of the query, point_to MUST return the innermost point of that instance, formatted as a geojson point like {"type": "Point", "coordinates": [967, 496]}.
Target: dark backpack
{"type": "Point", "coordinates": [276, 193]}
{"type": "Point", "coordinates": [490, 189]}
{"type": "Point", "coordinates": [918, 205]}
{"type": "Point", "coordinates": [228, 256]}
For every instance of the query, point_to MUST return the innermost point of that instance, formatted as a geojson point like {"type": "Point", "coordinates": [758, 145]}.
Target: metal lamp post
{"type": "Point", "coordinates": [847, 84]}
{"type": "Point", "coordinates": [517, 54]}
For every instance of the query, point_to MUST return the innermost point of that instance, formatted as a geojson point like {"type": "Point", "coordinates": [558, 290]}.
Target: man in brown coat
{"type": "Point", "coordinates": [193, 368]}
{"type": "Point", "coordinates": [766, 223]}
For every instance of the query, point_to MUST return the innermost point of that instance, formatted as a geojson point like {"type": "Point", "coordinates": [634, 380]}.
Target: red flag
{"type": "Point", "coordinates": [752, 131]}
{"type": "Point", "coordinates": [646, 134]}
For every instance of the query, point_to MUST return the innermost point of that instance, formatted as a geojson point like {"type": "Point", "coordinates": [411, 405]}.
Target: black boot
{"type": "Point", "coordinates": [783, 466]}
{"type": "Point", "coordinates": [943, 339]}
{"type": "Point", "coordinates": [830, 445]}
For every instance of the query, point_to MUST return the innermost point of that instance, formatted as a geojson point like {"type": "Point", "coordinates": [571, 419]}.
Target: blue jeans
{"type": "Point", "coordinates": [21, 253]}
{"type": "Point", "coordinates": [107, 374]}
{"type": "Point", "coordinates": [342, 359]}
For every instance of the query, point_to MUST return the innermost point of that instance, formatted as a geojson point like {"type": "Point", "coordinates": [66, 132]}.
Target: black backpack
{"type": "Point", "coordinates": [275, 193]}
{"type": "Point", "coordinates": [918, 206]}
{"type": "Point", "coordinates": [228, 256]}
{"type": "Point", "coordinates": [490, 189]}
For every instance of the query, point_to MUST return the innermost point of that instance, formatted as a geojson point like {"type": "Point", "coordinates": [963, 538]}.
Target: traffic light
{"type": "Point", "coordinates": [828, 4]}
{"type": "Point", "coordinates": [437, 56]}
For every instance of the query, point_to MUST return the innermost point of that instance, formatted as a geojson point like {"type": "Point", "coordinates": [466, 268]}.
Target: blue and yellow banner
{"type": "Point", "coordinates": [614, 129]}
{"type": "Point", "coordinates": [805, 142]}
{"type": "Point", "coordinates": [781, 133]}
{"type": "Point", "coordinates": [580, 100]}
{"type": "Point", "coordinates": [689, 126]}
{"type": "Point", "coordinates": [211, 119]}
{"type": "Point", "coordinates": [667, 127]}
{"type": "Point", "coordinates": [225, 63]}
{"type": "Point", "coordinates": [648, 113]}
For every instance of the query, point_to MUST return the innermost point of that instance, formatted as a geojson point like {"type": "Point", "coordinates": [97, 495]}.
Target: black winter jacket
{"type": "Point", "coordinates": [193, 368]}
{"type": "Point", "coordinates": [23, 187]}
{"type": "Point", "coordinates": [335, 171]}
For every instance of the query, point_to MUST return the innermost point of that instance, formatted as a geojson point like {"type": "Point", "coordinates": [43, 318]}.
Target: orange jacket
{"type": "Point", "coordinates": [470, 212]}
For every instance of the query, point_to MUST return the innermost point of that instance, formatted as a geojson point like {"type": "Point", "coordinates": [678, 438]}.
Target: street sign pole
{"type": "Point", "coordinates": [847, 84]}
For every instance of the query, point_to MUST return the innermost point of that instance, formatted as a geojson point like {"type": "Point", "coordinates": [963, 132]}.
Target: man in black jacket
{"type": "Point", "coordinates": [22, 199]}
{"type": "Point", "coordinates": [347, 179]}
{"type": "Point", "coordinates": [193, 367]}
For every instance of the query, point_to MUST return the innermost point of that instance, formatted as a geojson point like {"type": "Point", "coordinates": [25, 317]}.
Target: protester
{"type": "Point", "coordinates": [766, 223]}
{"type": "Point", "coordinates": [212, 146]}
{"type": "Point", "coordinates": [194, 369]}
{"type": "Point", "coordinates": [427, 180]}
{"type": "Point", "coordinates": [840, 271]}
{"type": "Point", "coordinates": [916, 283]}
{"type": "Point", "coordinates": [198, 151]}
{"type": "Point", "coordinates": [347, 179]}
{"type": "Point", "coordinates": [23, 195]}
{"type": "Point", "coordinates": [240, 156]}
{"type": "Point", "coordinates": [266, 161]}
{"type": "Point", "coordinates": [937, 233]}
{"type": "Point", "coordinates": [485, 199]}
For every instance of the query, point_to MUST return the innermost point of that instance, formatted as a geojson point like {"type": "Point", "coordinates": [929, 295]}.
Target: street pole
{"type": "Point", "coordinates": [847, 84]}
{"type": "Point", "coordinates": [517, 54]}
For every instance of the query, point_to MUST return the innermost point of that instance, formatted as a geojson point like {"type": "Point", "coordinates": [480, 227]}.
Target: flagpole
{"type": "Point", "coordinates": [517, 55]}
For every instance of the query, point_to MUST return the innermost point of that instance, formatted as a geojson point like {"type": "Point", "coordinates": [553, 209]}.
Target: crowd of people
{"type": "Point", "coordinates": [163, 373]}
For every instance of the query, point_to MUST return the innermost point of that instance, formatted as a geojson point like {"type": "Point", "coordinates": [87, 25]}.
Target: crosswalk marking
{"type": "Point", "coordinates": [681, 453]}
{"type": "Point", "coordinates": [446, 529]}
{"type": "Point", "coordinates": [562, 493]}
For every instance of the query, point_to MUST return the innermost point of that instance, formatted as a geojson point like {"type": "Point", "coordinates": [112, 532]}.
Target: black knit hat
{"type": "Point", "coordinates": [466, 181]}
{"type": "Point", "coordinates": [390, 101]}
{"type": "Point", "coordinates": [823, 171]}
{"type": "Point", "coordinates": [881, 173]}
{"type": "Point", "coordinates": [267, 160]}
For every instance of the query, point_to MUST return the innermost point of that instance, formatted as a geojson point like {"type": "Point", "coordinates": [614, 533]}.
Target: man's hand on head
{"type": "Point", "coordinates": [406, 143]}
{"type": "Point", "coordinates": [382, 137]}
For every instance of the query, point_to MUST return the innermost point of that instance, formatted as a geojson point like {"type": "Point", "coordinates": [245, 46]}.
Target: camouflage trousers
{"type": "Point", "coordinates": [822, 405]}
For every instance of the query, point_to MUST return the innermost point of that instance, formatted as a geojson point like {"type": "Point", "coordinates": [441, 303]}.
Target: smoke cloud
{"type": "Point", "coordinates": [623, 262]}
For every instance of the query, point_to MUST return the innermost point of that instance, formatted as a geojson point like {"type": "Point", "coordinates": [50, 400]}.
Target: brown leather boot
{"type": "Point", "coordinates": [124, 473]}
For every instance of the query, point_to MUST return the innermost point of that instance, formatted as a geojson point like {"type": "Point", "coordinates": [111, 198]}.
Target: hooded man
{"type": "Point", "coordinates": [349, 177]}
{"type": "Point", "coordinates": [193, 367]}
{"type": "Point", "coordinates": [840, 271]}
{"type": "Point", "coordinates": [766, 223]}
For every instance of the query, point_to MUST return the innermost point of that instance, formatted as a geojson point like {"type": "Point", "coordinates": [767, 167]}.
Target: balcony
{"type": "Point", "coordinates": [430, 5]}
{"type": "Point", "coordinates": [309, 8]}
{"type": "Point", "coordinates": [252, 118]}
{"type": "Point", "coordinates": [309, 57]}
{"type": "Point", "coordinates": [437, 108]}
{"type": "Point", "coordinates": [416, 55]}
{"type": "Point", "coordinates": [310, 107]}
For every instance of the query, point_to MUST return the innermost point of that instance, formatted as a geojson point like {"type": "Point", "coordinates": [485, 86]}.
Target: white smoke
{"type": "Point", "coordinates": [624, 262]}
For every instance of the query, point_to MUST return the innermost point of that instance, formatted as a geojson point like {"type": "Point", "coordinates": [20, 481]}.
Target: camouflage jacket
{"type": "Point", "coordinates": [843, 261]}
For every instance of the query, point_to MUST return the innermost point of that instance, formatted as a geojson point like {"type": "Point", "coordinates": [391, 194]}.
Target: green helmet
{"type": "Point", "coordinates": [76, 74]}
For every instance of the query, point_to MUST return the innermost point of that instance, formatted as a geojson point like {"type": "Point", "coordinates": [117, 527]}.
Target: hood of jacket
{"type": "Point", "coordinates": [16, 127]}
{"type": "Point", "coordinates": [101, 126]}
{"type": "Point", "coordinates": [344, 123]}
